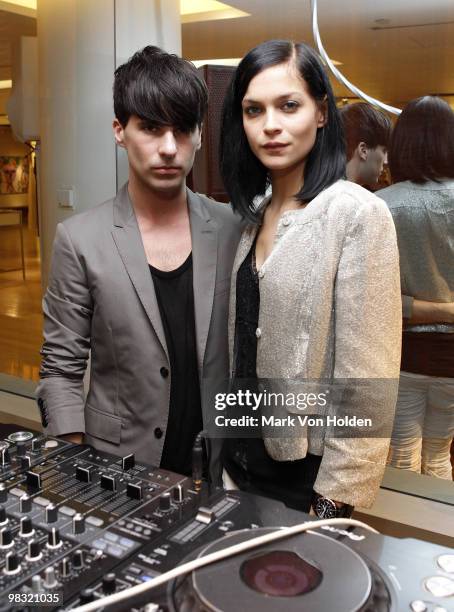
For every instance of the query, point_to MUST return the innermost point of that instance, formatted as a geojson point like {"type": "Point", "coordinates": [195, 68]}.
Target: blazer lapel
{"type": "Point", "coordinates": [204, 236]}
{"type": "Point", "coordinates": [127, 238]}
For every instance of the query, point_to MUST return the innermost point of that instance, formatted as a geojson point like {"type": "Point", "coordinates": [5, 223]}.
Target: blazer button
{"type": "Point", "coordinates": [260, 273]}
{"type": "Point", "coordinates": [158, 433]}
{"type": "Point", "coordinates": [258, 332]}
{"type": "Point", "coordinates": [164, 372]}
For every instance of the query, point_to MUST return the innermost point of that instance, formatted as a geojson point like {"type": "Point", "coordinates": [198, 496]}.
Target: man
{"type": "Point", "coordinates": [143, 281]}
{"type": "Point", "coordinates": [367, 133]}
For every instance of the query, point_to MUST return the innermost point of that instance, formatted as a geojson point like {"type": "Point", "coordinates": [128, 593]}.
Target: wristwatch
{"type": "Point", "coordinates": [327, 508]}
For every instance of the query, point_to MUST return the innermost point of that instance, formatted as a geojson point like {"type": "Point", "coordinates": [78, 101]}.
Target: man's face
{"type": "Point", "coordinates": [159, 158]}
{"type": "Point", "coordinates": [372, 165]}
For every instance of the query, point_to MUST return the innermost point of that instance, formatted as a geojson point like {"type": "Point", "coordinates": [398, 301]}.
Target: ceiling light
{"type": "Point", "coordinates": [207, 10]}
{"type": "Point", "coordinates": [6, 84]}
{"type": "Point", "coordinates": [223, 61]}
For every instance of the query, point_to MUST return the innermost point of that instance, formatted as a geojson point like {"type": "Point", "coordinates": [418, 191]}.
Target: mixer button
{"type": "Point", "coordinates": [36, 445]}
{"type": "Point", "coordinates": [33, 480]}
{"type": "Point", "coordinates": [84, 473]}
{"type": "Point", "coordinates": [446, 562]}
{"type": "Point", "coordinates": [108, 482]}
{"type": "Point", "coordinates": [51, 514]}
{"type": "Point", "coordinates": [94, 521]}
{"type": "Point", "coordinates": [134, 491]}
{"type": "Point", "coordinates": [3, 493]}
{"type": "Point", "coordinates": [3, 517]}
{"type": "Point", "coordinates": [128, 462]}
{"type": "Point", "coordinates": [440, 586]}
{"type": "Point", "coordinates": [78, 559]}
{"type": "Point", "coordinates": [25, 462]}
{"type": "Point", "coordinates": [86, 596]}
{"type": "Point", "coordinates": [65, 567]}
{"type": "Point", "coordinates": [165, 502]}
{"type": "Point", "coordinates": [78, 524]}
{"type": "Point", "coordinates": [25, 503]}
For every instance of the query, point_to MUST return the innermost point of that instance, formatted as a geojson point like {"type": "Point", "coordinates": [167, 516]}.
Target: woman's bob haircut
{"type": "Point", "coordinates": [422, 143]}
{"type": "Point", "coordinates": [245, 177]}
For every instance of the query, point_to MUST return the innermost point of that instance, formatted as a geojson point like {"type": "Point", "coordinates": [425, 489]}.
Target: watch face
{"type": "Point", "coordinates": [326, 508]}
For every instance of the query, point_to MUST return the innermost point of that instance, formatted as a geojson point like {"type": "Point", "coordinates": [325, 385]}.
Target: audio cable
{"type": "Point", "coordinates": [190, 566]}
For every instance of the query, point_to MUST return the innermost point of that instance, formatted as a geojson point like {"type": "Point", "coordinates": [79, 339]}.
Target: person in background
{"type": "Point", "coordinates": [315, 284]}
{"type": "Point", "coordinates": [143, 282]}
{"type": "Point", "coordinates": [421, 201]}
{"type": "Point", "coordinates": [367, 132]}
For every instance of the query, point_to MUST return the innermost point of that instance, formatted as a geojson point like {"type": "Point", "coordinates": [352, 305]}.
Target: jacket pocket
{"type": "Point", "coordinates": [102, 425]}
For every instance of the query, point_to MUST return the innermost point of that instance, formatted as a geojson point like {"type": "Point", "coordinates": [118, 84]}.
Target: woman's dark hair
{"type": "Point", "coordinates": [160, 88]}
{"type": "Point", "coordinates": [422, 143]}
{"type": "Point", "coordinates": [364, 123]}
{"type": "Point", "coordinates": [245, 177]}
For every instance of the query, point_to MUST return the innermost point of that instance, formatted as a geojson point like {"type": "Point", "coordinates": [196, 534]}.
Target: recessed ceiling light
{"type": "Point", "coordinates": [207, 10]}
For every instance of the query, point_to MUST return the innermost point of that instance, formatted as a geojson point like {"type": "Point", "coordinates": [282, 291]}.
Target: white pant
{"type": "Point", "coordinates": [424, 425]}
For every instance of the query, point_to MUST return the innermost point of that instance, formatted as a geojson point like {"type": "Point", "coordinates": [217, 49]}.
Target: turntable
{"type": "Point", "coordinates": [310, 571]}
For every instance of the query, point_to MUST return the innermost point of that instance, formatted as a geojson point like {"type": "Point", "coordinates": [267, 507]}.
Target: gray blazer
{"type": "Point", "coordinates": [101, 298]}
{"type": "Point", "coordinates": [330, 308]}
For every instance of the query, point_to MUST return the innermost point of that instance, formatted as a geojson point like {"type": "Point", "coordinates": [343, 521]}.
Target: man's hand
{"type": "Point", "coordinates": [75, 438]}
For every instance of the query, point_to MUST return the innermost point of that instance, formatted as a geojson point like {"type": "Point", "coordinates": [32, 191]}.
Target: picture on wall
{"type": "Point", "coordinates": [14, 174]}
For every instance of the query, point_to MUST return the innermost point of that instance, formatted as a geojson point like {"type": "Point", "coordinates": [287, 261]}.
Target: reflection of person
{"type": "Point", "coordinates": [143, 281]}
{"type": "Point", "coordinates": [315, 280]}
{"type": "Point", "coordinates": [421, 201]}
{"type": "Point", "coordinates": [367, 132]}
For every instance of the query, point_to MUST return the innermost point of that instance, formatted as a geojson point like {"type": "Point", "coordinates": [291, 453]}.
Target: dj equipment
{"type": "Point", "coordinates": [77, 524]}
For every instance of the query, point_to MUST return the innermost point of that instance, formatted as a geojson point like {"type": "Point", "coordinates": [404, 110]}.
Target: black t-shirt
{"type": "Point", "coordinates": [246, 459]}
{"type": "Point", "coordinates": [175, 298]}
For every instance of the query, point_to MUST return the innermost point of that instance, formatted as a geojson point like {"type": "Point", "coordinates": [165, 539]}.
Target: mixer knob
{"type": "Point", "coordinates": [50, 579]}
{"type": "Point", "coordinates": [26, 527]}
{"type": "Point", "coordinates": [36, 445]}
{"type": "Point", "coordinates": [34, 550]}
{"type": "Point", "coordinates": [4, 457]}
{"type": "Point", "coordinates": [12, 565]}
{"type": "Point", "coordinates": [78, 524]}
{"type": "Point", "coordinates": [3, 493]}
{"type": "Point", "coordinates": [3, 517]}
{"type": "Point", "coordinates": [21, 449]}
{"type": "Point", "coordinates": [6, 538]}
{"type": "Point", "coordinates": [53, 538]}
{"type": "Point", "coordinates": [86, 596]}
{"type": "Point", "coordinates": [78, 559]}
{"type": "Point", "coordinates": [165, 502]}
{"type": "Point", "coordinates": [25, 503]}
{"type": "Point", "coordinates": [109, 584]}
{"type": "Point", "coordinates": [108, 482]}
{"type": "Point", "coordinates": [134, 491]}
{"type": "Point", "coordinates": [178, 494]}
{"type": "Point", "coordinates": [65, 569]}
{"type": "Point", "coordinates": [128, 462]}
{"type": "Point", "coordinates": [51, 513]}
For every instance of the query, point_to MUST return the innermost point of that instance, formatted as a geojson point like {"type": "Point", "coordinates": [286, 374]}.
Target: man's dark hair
{"type": "Point", "coordinates": [422, 144]}
{"type": "Point", "coordinates": [245, 177]}
{"type": "Point", "coordinates": [364, 123]}
{"type": "Point", "coordinates": [160, 88]}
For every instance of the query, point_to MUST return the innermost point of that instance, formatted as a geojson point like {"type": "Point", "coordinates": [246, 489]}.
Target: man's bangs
{"type": "Point", "coordinates": [164, 106]}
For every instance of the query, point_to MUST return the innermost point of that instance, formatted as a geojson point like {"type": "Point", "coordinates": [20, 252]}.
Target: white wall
{"type": "Point", "coordinates": [80, 44]}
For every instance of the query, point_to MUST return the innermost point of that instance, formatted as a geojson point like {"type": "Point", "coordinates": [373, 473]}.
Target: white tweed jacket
{"type": "Point", "coordinates": [330, 307]}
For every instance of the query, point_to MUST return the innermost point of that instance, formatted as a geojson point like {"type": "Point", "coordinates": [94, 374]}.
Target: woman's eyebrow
{"type": "Point", "coordinates": [281, 97]}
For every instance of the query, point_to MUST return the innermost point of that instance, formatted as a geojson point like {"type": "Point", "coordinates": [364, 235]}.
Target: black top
{"type": "Point", "coordinates": [246, 459]}
{"type": "Point", "coordinates": [175, 298]}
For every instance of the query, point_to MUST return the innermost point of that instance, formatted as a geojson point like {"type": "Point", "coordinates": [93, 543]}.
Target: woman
{"type": "Point", "coordinates": [315, 287]}
{"type": "Point", "coordinates": [421, 161]}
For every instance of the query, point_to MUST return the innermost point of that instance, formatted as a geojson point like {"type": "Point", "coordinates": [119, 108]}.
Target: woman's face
{"type": "Point", "coordinates": [281, 118]}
